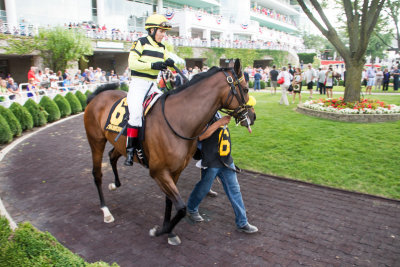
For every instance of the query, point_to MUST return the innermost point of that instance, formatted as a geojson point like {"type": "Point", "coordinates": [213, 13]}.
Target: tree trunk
{"type": "Point", "coordinates": [353, 81]}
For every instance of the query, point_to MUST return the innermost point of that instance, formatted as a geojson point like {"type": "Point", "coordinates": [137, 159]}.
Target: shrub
{"type": "Point", "coordinates": [74, 102]}
{"type": "Point", "coordinates": [63, 105]}
{"type": "Point", "coordinates": [12, 121]}
{"type": "Point", "coordinates": [5, 133]}
{"type": "Point", "coordinates": [262, 84]}
{"type": "Point", "coordinates": [87, 93]}
{"type": "Point", "coordinates": [23, 116]}
{"type": "Point", "coordinates": [29, 247]}
{"type": "Point", "coordinates": [125, 87]}
{"type": "Point", "coordinates": [82, 98]}
{"type": "Point", "coordinates": [251, 84]}
{"type": "Point", "coordinates": [39, 115]}
{"type": "Point", "coordinates": [51, 108]}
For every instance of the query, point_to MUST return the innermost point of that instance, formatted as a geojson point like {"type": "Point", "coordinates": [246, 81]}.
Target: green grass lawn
{"type": "Point", "coordinates": [353, 156]}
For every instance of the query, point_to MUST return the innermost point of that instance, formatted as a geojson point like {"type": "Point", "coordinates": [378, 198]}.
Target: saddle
{"type": "Point", "coordinates": [117, 121]}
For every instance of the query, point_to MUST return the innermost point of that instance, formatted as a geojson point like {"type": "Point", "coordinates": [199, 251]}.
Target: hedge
{"type": "Point", "coordinates": [74, 103]}
{"type": "Point", "coordinates": [87, 93]}
{"type": "Point", "coordinates": [125, 87]}
{"type": "Point", "coordinates": [63, 105]}
{"type": "Point", "coordinates": [251, 84]}
{"type": "Point", "coordinates": [262, 84]}
{"type": "Point", "coordinates": [82, 98]}
{"type": "Point", "coordinates": [27, 246]}
{"type": "Point", "coordinates": [5, 137]}
{"type": "Point", "coordinates": [38, 113]}
{"type": "Point", "coordinates": [23, 116]}
{"type": "Point", "coordinates": [51, 108]}
{"type": "Point", "coordinates": [12, 121]}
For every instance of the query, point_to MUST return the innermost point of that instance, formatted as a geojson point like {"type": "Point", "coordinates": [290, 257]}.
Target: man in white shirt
{"type": "Point", "coordinates": [321, 81]}
{"type": "Point", "coordinates": [309, 76]}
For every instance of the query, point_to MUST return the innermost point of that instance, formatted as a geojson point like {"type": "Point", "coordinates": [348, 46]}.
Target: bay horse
{"type": "Point", "coordinates": [171, 130]}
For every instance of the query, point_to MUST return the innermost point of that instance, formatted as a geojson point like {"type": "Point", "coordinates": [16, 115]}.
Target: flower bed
{"type": "Point", "coordinates": [365, 106]}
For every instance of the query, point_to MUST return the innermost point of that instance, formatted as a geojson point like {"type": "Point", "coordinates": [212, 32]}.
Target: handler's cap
{"type": "Point", "coordinates": [252, 101]}
{"type": "Point", "coordinates": [157, 21]}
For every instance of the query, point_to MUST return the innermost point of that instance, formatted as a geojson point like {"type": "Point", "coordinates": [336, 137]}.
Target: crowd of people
{"type": "Point", "coordinates": [380, 78]}
{"type": "Point", "coordinates": [41, 81]}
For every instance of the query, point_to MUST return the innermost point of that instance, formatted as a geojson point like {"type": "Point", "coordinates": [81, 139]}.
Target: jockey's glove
{"type": "Point", "coordinates": [160, 65]}
{"type": "Point", "coordinates": [170, 62]}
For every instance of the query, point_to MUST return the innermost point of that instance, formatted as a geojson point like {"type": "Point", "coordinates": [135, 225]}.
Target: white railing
{"type": "Point", "coordinates": [37, 95]}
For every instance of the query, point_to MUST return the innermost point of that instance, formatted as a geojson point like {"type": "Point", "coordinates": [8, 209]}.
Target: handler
{"type": "Point", "coordinates": [217, 161]}
{"type": "Point", "coordinates": [147, 57]}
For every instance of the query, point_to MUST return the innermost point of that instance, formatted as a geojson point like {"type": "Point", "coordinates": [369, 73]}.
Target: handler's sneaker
{"type": "Point", "coordinates": [248, 229]}
{"type": "Point", "coordinates": [195, 216]}
{"type": "Point", "coordinates": [212, 193]}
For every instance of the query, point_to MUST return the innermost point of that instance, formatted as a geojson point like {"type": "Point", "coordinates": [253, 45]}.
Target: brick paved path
{"type": "Point", "coordinates": [47, 181]}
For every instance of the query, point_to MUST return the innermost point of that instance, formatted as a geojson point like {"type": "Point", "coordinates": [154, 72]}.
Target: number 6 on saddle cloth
{"type": "Point", "coordinates": [117, 120]}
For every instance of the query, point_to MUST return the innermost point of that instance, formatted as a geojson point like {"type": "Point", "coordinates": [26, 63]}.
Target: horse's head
{"type": "Point", "coordinates": [238, 101]}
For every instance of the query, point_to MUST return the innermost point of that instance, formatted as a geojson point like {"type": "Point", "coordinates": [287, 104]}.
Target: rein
{"type": "Point", "coordinates": [240, 113]}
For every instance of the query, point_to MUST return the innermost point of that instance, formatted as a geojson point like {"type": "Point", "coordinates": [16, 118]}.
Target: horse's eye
{"type": "Point", "coordinates": [246, 90]}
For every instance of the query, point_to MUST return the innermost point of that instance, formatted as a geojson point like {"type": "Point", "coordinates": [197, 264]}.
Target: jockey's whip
{"type": "Point", "coordinates": [119, 134]}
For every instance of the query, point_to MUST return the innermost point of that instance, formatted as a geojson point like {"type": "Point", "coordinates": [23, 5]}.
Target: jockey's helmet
{"type": "Point", "coordinates": [157, 21]}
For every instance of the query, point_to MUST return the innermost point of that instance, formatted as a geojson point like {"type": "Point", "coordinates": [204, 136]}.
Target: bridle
{"type": "Point", "coordinates": [240, 113]}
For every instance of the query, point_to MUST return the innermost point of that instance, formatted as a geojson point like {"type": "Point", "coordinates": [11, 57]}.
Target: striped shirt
{"type": "Point", "coordinates": [143, 52]}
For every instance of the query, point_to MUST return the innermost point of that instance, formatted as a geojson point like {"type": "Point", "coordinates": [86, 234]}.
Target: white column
{"type": "Point", "coordinates": [11, 13]}
{"type": "Point", "coordinates": [100, 12]}
{"type": "Point", "coordinates": [159, 6]}
{"type": "Point", "coordinates": [207, 36]}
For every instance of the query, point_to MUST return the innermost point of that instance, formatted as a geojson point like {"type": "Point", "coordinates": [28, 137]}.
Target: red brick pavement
{"type": "Point", "coordinates": [47, 180]}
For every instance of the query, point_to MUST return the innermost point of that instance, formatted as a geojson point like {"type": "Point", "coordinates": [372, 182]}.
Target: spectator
{"type": "Point", "coordinates": [13, 87]}
{"type": "Point", "coordinates": [321, 81]}
{"type": "Point", "coordinates": [378, 79]}
{"type": "Point", "coordinates": [257, 78]}
{"type": "Point", "coordinates": [386, 79]}
{"type": "Point", "coordinates": [329, 82]}
{"type": "Point", "coordinates": [215, 163]}
{"type": "Point", "coordinates": [273, 74]}
{"type": "Point", "coordinates": [310, 76]}
{"type": "Point", "coordinates": [60, 76]}
{"type": "Point", "coordinates": [31, 74]}
{"type": "Point", "coordinates": [31, 88]}
{"type": "Point", "coordinates": [285, 85]}
{"type": "Point", "coordinates": [297, 80]}
{"type": "Point", "coordinates": [371, 73]}
{"type": "Point", "coordinates": [3, 87]}
{"type": "Point", "coordinates": [396, 78]}
{"type": "Point", "coordinates": [246, 76]}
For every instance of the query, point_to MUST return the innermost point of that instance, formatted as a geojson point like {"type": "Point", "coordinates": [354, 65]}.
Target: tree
{"type": "Point", "coordinates": [57, 46]}
{"type": "Point", "coordinates": [392, 10]}
{"type": "Point", "coordinates": [361, 18]}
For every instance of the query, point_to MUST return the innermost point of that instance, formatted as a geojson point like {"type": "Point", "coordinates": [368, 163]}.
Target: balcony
{"type": "Point", "coordinates": [273, 22]}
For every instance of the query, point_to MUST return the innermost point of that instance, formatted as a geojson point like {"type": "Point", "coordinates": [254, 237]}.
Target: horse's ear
{"type": "Point", "coordinates": [237, 67]}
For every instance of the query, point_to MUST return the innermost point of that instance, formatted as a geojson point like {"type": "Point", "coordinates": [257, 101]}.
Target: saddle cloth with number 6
{"type": "Point", "coordinates": [119, 113]}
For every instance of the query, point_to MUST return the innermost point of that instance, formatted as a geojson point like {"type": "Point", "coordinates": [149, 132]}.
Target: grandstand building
{"type": "Point", "coordinates": [269, 24]}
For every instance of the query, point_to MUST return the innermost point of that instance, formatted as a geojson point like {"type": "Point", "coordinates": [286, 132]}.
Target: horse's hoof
{"type": "Point", "coordinates": [112, 187]}
{"type": "Point", "coordinates": [174, 240]}
{"type": "Point", "coordinates": [109, 219]}
{"type": "Point", "coordinates": [154, 230]}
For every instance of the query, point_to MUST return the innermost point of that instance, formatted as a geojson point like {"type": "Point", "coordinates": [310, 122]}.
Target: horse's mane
{"type": "Point", "coordinates": [196, 78]}
{"type": "Point", "coordinates": [102, 88]}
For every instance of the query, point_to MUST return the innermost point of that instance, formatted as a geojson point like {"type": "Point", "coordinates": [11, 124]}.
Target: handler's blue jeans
{"type": "Point", "coordinates": [257, 85]}
{"type": "Point", "coordinates": [231, 187]}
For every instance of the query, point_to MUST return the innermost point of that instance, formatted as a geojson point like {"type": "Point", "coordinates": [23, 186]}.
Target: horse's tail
{"type": "Point", "coordinates": [102, 88]}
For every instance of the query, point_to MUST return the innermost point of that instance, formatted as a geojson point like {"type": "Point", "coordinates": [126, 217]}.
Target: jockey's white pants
{"type": "Point", "coordinates": [137, 92]}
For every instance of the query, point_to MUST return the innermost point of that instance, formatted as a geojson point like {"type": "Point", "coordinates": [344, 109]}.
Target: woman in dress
{"type": "Point", "coordinates": [296, 83]}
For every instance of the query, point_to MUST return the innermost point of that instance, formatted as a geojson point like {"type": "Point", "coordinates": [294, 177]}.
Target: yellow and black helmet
{"type": "Point", "coordinates": [157, 21]}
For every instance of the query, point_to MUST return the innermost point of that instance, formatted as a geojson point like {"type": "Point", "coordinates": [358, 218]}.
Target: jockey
{"type": "Point", "coordinates": [147, 57]}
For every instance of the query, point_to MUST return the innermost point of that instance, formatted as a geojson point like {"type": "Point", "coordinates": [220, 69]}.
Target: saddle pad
{"type": "Point", "coordinates": [118, 116]}
{"type": "Point", "coordinates": [119, 113]}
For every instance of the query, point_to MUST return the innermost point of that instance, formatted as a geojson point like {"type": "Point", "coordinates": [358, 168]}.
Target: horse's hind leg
{"type": "Point", "coordinates": [114, 156]}
{"type": "Point", "coordinates": [172, 197]}
{"type": "Point", "coordinates": [97, 147]}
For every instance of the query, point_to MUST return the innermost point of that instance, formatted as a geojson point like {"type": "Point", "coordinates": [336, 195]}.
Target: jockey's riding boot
{"type": "Point", "coordinates": [131, 144]}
